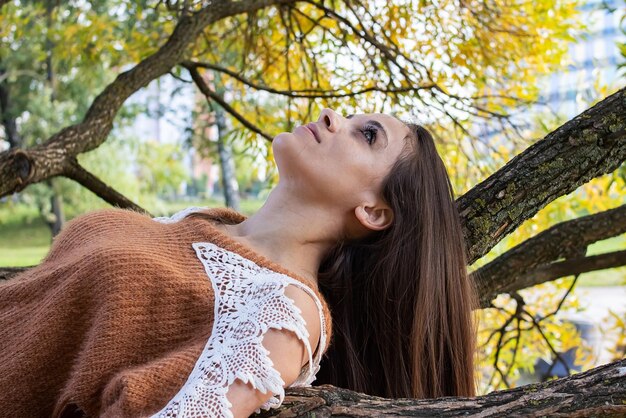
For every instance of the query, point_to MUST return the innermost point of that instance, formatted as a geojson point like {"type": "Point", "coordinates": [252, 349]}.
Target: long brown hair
{"type": "Point", "coordinates": [401, 299]}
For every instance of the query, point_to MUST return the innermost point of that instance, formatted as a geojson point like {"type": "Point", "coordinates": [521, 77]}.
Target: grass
{"type": "Point", "coordinates": [608, 277]}
{"type": "Point", "coordinates": [25, 238]}
{"type": "Point", "coordinates": [248, 206]}
{"type": "Point", "coordinates": [22, 257]}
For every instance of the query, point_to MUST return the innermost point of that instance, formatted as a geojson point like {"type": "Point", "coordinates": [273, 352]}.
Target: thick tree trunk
{"type": "Point", "coordinates": [8, 118]}
{"type": "Point", "coordinates": [56, 215]}
{"type": "Point", "coordinates": [227, 163]}
{"type": "Point", "coordinates": [600, 392]}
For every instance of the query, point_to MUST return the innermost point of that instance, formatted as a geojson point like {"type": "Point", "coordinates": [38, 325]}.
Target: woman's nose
{"type": "Point", "coordinates": [330, 119]}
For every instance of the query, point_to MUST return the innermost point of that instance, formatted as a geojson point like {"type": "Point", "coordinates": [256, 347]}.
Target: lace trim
{"type": "Point", "coordinates": [249, 299]}
{"type": "Point", "coordinates": [179, 215]}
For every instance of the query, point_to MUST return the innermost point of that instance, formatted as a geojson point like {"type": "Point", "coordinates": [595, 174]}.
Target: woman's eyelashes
{"type": "Point", "coordinates": [369, 132]}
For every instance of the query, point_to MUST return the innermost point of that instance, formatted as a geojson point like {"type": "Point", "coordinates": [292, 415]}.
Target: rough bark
{"type": "Point", "coordinates": [590, 145]}
{"type": "Point", "coordinates": [597, 392]}
{"type": "Point", "coordinates": [530, 262]}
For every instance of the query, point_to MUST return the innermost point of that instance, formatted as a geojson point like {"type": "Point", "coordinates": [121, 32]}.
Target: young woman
{"type": "Point", "coordinates": [357, 256]}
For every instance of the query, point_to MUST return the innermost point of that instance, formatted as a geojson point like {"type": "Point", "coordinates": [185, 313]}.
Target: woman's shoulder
{"type": "Point", "coordinates": [114, 220]}
{"type": "Point", "coordinates": [221, 246]}
{"type": "Point", "coordinates": [198, 227]}
{"type": "Point", "coordinates": [87, 228]}
{"type": "Point", "coordinates": [226, 259]}
{"type": "Point", "coordinates": [104, 219]}
{"type": "Point", "coordinates": [249, 285]}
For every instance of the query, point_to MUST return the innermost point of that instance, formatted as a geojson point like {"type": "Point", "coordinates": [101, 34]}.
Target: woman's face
{"type": "Point", "coordinates": [340, 160]}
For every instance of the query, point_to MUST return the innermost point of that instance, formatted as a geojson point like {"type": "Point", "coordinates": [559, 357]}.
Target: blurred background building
{"type": "Point", "coordinates": [169, 104]}
{"type": "Point", "coordinates": [593, 61]}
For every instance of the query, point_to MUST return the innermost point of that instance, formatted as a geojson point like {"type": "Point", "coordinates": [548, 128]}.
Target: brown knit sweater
{"type": "Point", "coordinates": [113, 320]}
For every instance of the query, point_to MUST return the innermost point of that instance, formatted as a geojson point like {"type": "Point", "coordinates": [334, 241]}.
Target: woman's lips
{"type": "Point", "coordinates": [311, 127]}
{"type": "Point", "coordinates": [310, 131]}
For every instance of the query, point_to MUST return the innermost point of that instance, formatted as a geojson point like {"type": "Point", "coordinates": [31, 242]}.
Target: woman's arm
{"type": "Point", "coordinates": [286, 351]}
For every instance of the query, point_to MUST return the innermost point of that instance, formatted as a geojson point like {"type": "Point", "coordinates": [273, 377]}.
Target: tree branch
{"type": "Point", "coordinates": [529, 262]}
{"type": "Point", "coordinates": [570, 267]}
{"type": "Point", "coordinates": [19, 168]}
{"type": "Point", "coordinates": [77, 173]}
{"type": "Point", "coordinates": [210, 95]}
{"type": "Point", "coordinates": [590, 145]}
{"type": "Point", "coordinates": [597, 392]}
{"type": "Point", "coordinates": [304, 93]}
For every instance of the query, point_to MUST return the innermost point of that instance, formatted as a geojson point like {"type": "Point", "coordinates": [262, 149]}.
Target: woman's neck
{"type": "Point", "coordinates": [288, 232]}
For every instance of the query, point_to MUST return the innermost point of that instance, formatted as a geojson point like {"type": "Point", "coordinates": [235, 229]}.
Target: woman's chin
{"type": "Point", "coordinates": [282, 140]}
{"type": "Point", "coordinates": [290, 146]}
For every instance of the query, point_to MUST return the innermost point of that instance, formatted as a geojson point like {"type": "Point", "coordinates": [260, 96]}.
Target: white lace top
{"type": "Point", "coordinates": [249, 300]}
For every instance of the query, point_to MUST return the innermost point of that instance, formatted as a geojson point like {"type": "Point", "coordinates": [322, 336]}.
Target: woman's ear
{"type": "Point", "coordinates": [375, 218]}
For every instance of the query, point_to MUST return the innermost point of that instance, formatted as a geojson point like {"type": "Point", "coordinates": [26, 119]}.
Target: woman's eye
{"type": "Point", "coordinates": [370, 135]}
